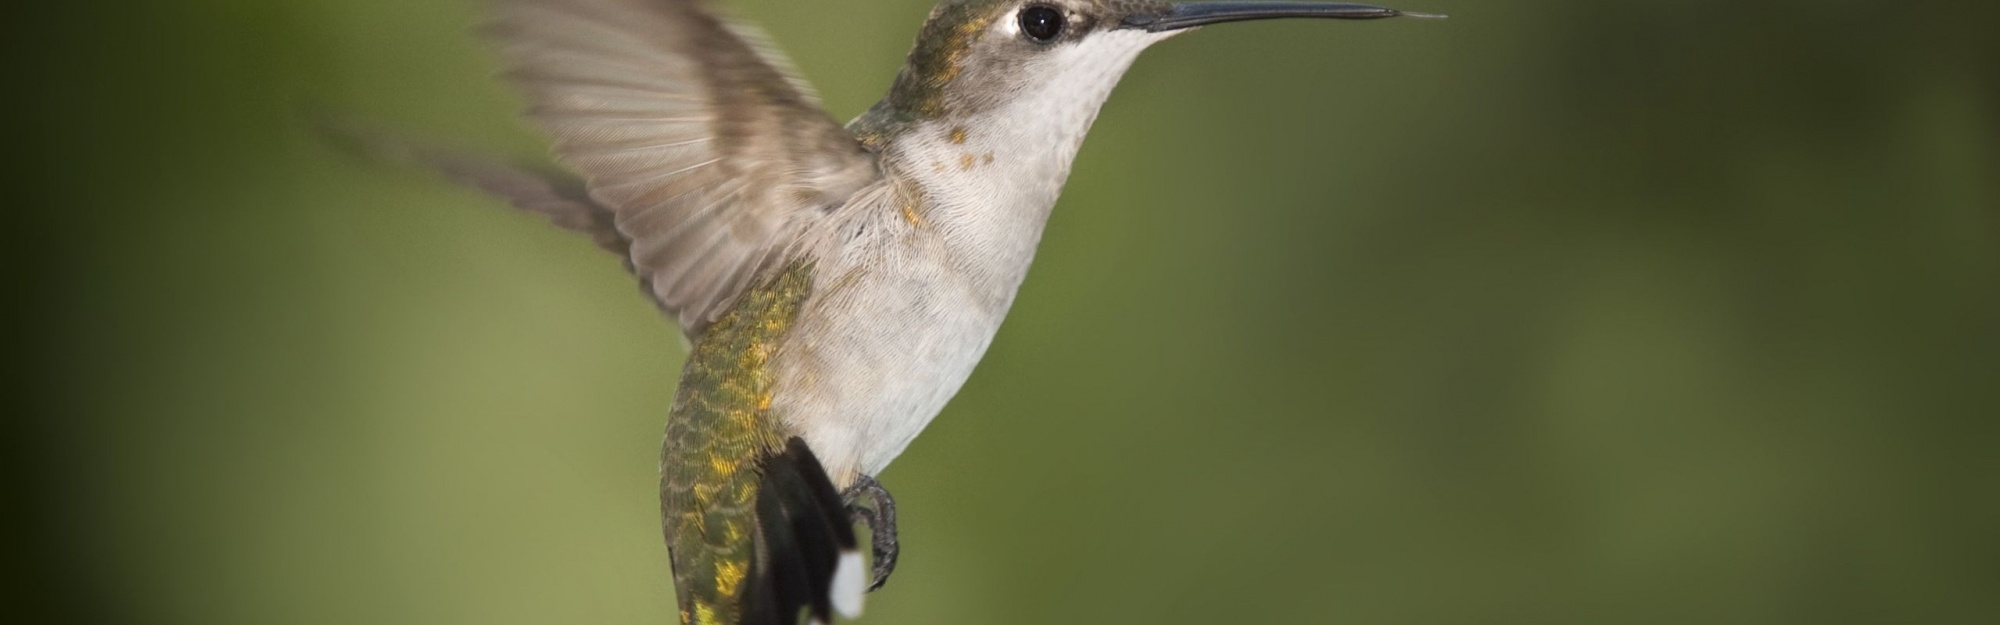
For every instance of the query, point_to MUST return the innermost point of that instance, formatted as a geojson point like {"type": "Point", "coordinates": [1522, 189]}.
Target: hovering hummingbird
{"type": "Point", "coordinates": [837, 283]}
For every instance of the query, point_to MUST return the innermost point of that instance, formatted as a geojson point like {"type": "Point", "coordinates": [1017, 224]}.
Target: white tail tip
{"type": "Point", "coordinates": [850, 581]}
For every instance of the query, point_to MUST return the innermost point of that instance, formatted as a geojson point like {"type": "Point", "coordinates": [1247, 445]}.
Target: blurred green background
{"type": "Point", "coordinates": [1558, 311]}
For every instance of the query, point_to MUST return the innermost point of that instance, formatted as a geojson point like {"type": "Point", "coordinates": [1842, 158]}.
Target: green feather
{"type": "Point", "coordinates": [719, 428]}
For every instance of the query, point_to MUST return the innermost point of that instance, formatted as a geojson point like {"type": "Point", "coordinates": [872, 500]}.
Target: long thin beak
{"type": "Point", "coordinates": [1192, 14]}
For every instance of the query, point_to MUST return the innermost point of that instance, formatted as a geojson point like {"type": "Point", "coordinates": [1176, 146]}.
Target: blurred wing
{"type": "Point", "coordinates": [709, 155]}
{"type": "Point", "coordinates": [556, 195]}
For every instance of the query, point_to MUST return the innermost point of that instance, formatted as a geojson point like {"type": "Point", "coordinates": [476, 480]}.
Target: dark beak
{"type": "Point", "coordinates": [1192, 14]}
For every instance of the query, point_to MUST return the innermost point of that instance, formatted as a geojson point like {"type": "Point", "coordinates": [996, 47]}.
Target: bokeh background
{"type": "Point", "coordinates": [1558, 311]}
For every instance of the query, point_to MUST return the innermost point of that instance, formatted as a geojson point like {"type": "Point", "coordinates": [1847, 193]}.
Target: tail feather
{"type": "Point", "coordinates": [804, 538]}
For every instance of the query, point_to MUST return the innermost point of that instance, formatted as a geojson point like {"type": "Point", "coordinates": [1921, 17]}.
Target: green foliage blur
{"type": "Point", "coordinates": [1557, 311]}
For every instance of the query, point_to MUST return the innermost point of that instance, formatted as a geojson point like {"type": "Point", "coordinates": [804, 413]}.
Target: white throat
{"type": "Point", "coordinates": [990, 180]}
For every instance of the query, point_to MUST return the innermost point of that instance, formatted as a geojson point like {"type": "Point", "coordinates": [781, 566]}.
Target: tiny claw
{"type": "Point", "coordinates": [885, 554]}
{"type": "Point", "coordinates": [880, 515]}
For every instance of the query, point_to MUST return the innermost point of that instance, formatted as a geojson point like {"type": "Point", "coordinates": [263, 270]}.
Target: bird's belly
{"type": "Point", "coordinates": [874, 356]}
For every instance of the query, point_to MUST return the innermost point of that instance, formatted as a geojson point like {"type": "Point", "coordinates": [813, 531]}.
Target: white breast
{"type": "Point", "coordinates": [898, 319]}
{"type": "Point", "coordinates": [905, 302]}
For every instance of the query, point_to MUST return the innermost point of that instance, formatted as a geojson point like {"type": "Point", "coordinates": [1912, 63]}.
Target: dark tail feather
{"type": "Point", "coordinates": [556, 195]}
{"type": "Point", "coordinates": [806, 555]}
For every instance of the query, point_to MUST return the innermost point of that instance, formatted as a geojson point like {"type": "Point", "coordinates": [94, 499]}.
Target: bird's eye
{"type": "Point", "coordinates": [1042, 24]}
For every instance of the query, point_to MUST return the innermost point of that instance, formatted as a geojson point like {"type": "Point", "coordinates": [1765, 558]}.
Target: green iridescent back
{"type": "Point", "coordinates": [719, 428]}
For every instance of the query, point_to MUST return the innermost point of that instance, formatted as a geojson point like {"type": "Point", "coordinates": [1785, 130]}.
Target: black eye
{"type": "Point", "coordinates": [1042, 24]}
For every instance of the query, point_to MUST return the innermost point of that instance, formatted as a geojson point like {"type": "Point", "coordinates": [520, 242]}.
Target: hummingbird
{"type": "Point", "coordinates": [837, 283]}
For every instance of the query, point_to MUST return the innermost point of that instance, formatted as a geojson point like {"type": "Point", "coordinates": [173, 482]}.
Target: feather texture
{"type": "Point", "coordinates": [667, 111]}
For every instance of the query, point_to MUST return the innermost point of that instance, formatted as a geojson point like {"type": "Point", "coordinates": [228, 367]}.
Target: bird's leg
{"type": "Point", "coordinates": [880, 513]}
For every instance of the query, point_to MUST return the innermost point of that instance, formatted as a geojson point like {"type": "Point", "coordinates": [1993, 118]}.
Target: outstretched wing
{"type": "Point", "coordinates": [709, 155]}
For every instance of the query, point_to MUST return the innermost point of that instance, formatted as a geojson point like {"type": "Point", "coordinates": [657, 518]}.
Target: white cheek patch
{"type": "Point", "coordinates": [1101, 57]}
{"type": "Point", "coordinates": [1009, 25]}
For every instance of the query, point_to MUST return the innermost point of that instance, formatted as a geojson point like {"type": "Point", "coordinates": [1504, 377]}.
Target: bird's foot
{"type": "Point", "coordinates": [880, 513]}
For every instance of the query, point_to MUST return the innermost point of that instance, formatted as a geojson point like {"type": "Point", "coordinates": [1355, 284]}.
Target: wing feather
{"type": "Point", "coordinates": [711, 154]}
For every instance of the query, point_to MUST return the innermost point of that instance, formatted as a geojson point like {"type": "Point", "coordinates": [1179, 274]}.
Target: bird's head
{"type": "Point", "coordinates": [973, 56]}
{"type": "Point", "coordinates": [1001, 92]}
